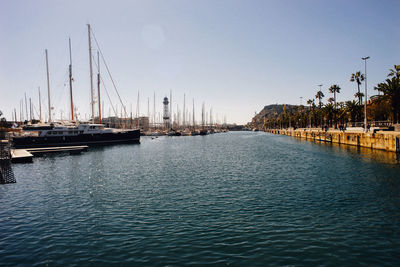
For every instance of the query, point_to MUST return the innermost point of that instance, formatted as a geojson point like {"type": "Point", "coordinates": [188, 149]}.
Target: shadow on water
{"type": "Point", "coordinates": [364, 153]}
{"type": "Point", "coordinates": [96, 148]}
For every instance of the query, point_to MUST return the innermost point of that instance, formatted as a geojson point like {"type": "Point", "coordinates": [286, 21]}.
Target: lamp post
{"type": "Point", "coordinates": [366, 97]}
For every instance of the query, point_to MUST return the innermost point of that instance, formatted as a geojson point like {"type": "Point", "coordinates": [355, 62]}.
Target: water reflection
{"type": "Point", "coordinates": [364, 153]}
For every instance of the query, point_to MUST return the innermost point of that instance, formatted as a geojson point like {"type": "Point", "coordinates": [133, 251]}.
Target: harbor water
{"type": "Point", "coordinates": [225, 199]}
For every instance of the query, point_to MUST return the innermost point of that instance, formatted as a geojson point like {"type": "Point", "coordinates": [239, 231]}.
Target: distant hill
{"type": "Point", "coordinates": [271, 111]}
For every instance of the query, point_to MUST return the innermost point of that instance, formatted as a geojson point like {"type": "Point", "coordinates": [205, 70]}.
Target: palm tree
{"type": "Point", "coordinates": [329, 112]}
{"type": "Point", "coordinates": [353, 108]}
{"type": "Point", "coordinates": [342, 113]}
{"type": "Point", "coordinates": [311, 103]}
{"type": "Point", "coordinates": [359, 95]}
{"type": "Point", "coordinates": [395, 72]}
{"type": "Point", "coordinates": [358, 78]}
{"type": "Point", "coordinates": [319, 96]}
{"type": "Point", "coordinates": [391, 92]}
{"type": "Point", "coordinates": [334, 89]}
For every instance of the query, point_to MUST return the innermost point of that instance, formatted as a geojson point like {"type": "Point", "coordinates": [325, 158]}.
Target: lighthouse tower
{"type": "Point", "coordinates": [166, 113]}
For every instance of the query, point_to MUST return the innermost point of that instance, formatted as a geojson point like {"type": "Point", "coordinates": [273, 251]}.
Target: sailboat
{"type": "Point", "coordinates": [75, 134]}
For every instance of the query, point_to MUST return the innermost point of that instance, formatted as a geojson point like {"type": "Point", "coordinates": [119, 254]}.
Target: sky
{"type": "Point", "coordinates": [235, 56]}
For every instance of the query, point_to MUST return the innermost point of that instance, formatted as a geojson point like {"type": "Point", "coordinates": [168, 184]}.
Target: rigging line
{"type": "Point", "coordinates": [35, 110]}
{"type": "Point", "coordinates": [59, 97]}
{"type": "Point", "coordinates": [108, 71]}
{"type": "Point", "coordinates": [108, 96]}
{"type": "Point", "coordinates": [104, 85]}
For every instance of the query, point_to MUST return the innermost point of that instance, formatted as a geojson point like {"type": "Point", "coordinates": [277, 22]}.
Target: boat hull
{"type": "Point", "coordinates": [98, 139]}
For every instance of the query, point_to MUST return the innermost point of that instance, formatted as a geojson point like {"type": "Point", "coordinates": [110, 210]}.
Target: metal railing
{"type": "Point", "coordinates": [6, 172]}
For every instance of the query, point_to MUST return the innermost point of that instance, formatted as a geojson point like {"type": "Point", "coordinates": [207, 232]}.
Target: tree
{"type": "Point", "coordinates": [342, 114]}
{"type": "Point", "coordinates": [379, 109]}
{"type": "Point", "coordinates": [311, 103]}
{"type": "Point", "coordinates": [359, 96]}
{"type": "Point", "coordinates": [395, 72]}
{"type": "Point", "coordinates": [334, 89]}
{"type": "Point", "coordinates": [353, 109]}
{"type": "Point", "coordinates": [358, 78]}
{"type": "Point", "coordinates": [391, 92]}
{"type": "Point", "coordinates": [319, 96]}
{"type": "Point", "coordinates": [329, 111]}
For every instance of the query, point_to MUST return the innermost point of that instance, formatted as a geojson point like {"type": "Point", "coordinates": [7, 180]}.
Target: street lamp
{"type": "Point", "coordinates": [366, 97]}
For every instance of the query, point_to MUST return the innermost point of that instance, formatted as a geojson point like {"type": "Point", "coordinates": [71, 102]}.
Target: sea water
{"type": "Point", "coordinates": [225, 199]}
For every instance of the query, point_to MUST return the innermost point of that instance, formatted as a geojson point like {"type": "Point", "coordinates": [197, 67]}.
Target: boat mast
{"type": "Point", "coordinates": [170, 108]}
{"type": "Point", "coordinates": [184, 111]}
{"type": "Point", "coordinates": [137, 111]}
{"type": "Point", "coordinates": [30, 109]}
{"type": "Point", "coordinates": [154, 111]}
{"type": "Point", "coordinates": [40, 106]}
{"type": "Point", "coordinates": [20, 111]}
{"type": "Point", "coordinates": [194, 125]}
{"type": "Point", "coordinates": [48, 85]}
{"type": "Point", "coordinates": [91, 73]}
{"type": "Point", "coordinates": [137, 107]}
{"type": "Point", "coordinates": [70, 81]}
{"type": "Point", "coordinates": [98, 84]}
{"type": "Point", "coordinates": [26, 108]}
{"type": "Point", "coordinates": [202, 116]}
{"type": "Point", "coordinates": [211, 122]}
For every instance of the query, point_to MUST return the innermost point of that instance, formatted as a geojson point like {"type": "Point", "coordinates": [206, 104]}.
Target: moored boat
{"type": "Point", "coordinates": [82, 134]}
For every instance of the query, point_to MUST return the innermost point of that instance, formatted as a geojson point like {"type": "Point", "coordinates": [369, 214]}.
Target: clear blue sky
{"type": "Point", "coordinates": [235, 56]}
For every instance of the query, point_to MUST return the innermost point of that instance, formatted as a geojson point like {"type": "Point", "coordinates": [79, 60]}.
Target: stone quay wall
{"type": "Point", "coordinates": [383, 140]}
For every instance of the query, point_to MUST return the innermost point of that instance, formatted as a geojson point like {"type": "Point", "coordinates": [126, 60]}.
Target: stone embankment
{"type": "Point", "coordinates": [384, 140]}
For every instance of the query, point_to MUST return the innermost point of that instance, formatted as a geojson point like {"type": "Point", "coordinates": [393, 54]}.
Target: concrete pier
{"type": "Point", "coordinates": [21, 156]}
{"type": "Point", "coordinates": [26, 155]}
{"type": "Point", "coordinates": [383, 140]}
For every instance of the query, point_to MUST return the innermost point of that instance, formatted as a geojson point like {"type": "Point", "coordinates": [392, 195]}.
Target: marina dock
{"type": "Point", "coordinates": [21, 156]}
{"type": "Point", "coordinates": [26, 155]}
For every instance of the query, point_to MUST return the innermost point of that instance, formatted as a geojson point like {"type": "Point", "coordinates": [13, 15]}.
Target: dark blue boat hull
{"type": "Point", "coordinates": [130, 136]}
